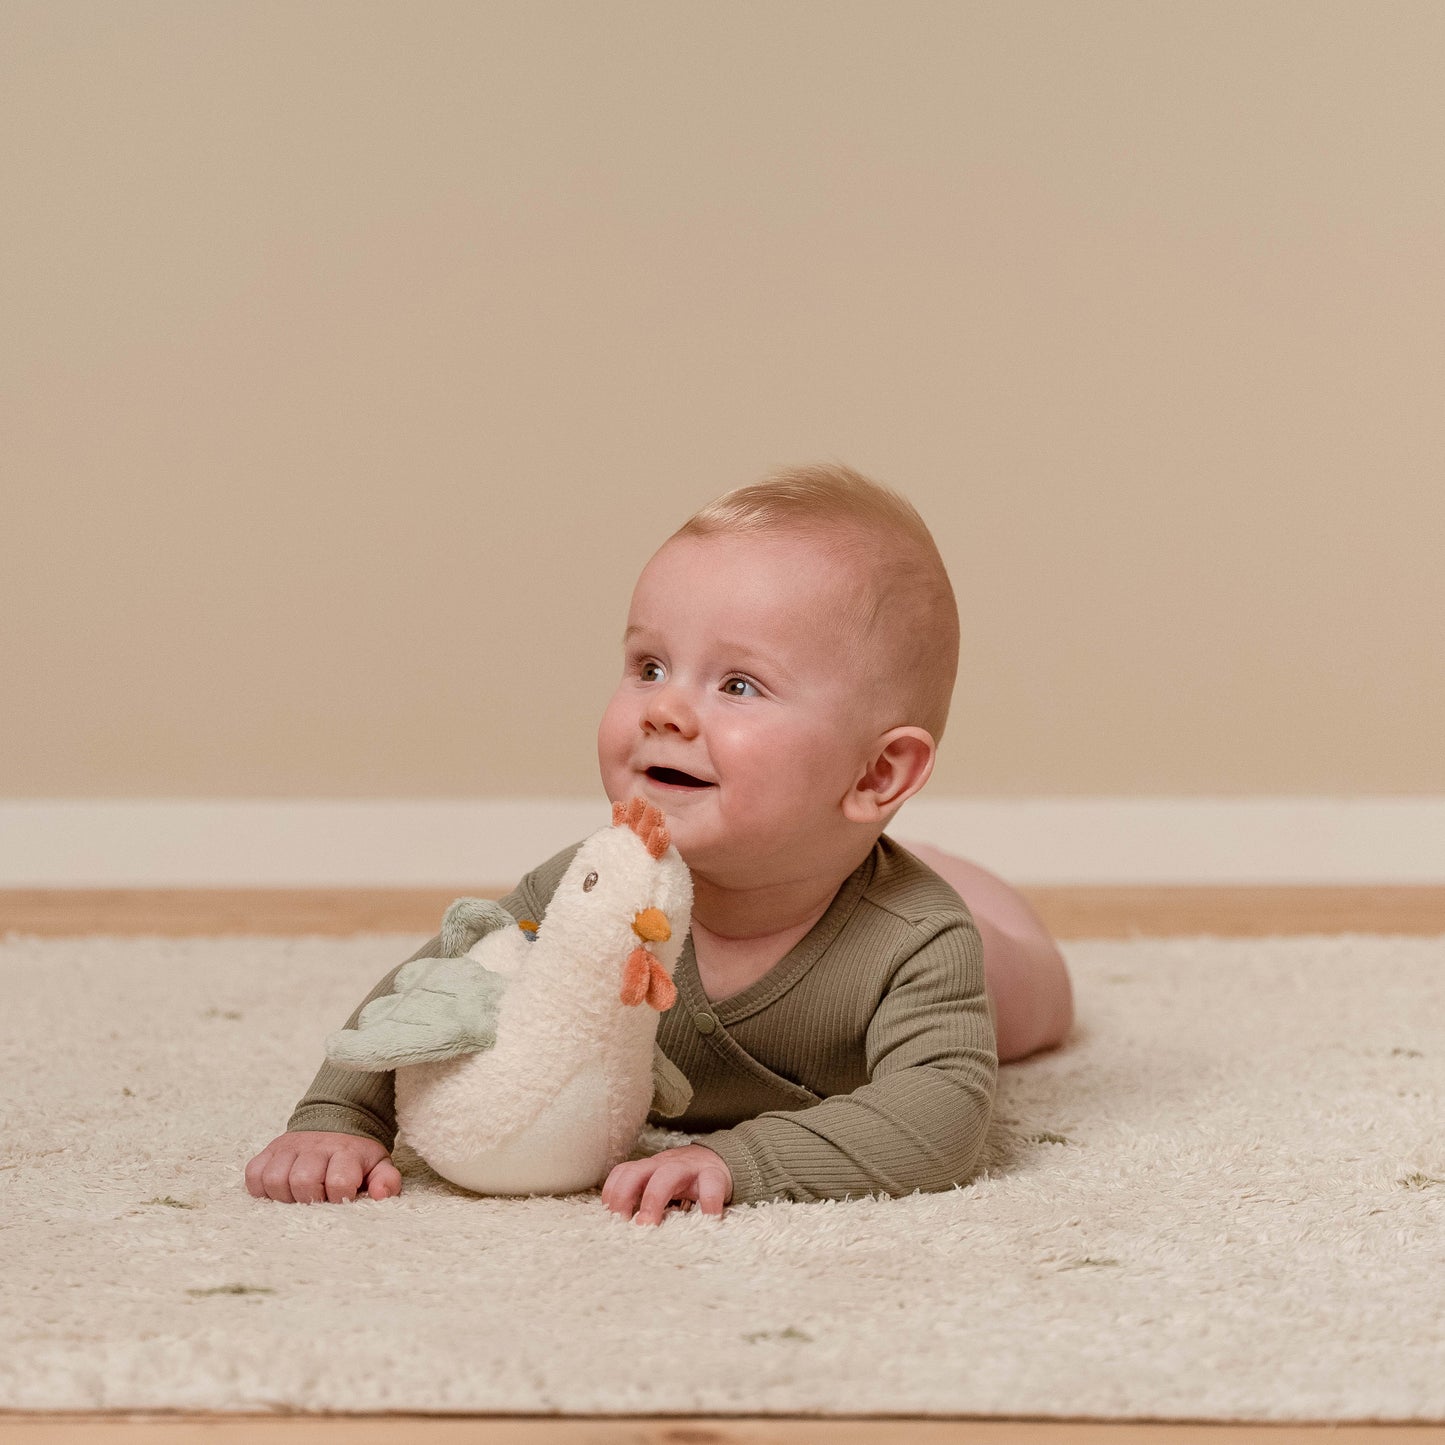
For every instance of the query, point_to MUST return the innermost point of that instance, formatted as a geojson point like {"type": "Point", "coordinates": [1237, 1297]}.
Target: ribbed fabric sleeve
{"type": "Point", "coordinates": [920, 1121]}
{"type": "Point", "coordinates": [348, 1101]}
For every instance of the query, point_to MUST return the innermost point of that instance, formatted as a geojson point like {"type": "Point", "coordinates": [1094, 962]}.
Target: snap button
{"type": "Point", "coordinates": [704, 1022]}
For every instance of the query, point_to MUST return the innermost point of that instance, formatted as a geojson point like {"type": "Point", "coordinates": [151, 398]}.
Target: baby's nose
{"type": "Point", "coordinates": [651, 924]}
{"type": "Point", "coordinates": [667, 708]}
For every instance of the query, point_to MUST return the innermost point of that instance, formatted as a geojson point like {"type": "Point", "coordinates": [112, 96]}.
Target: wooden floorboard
{"type": "Point", "coordinates": [1123, 912]}
{"type": "Point", "coordinates": [1069, 912]}
{"type": "Point", "coordinates": [651, 1430]}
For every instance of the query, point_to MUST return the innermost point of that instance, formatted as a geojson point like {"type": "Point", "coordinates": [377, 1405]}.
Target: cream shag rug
{"type": "Point", "coordinates": [1223, 1199]}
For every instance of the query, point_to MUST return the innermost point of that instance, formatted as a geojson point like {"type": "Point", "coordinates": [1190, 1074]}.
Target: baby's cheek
{"type": "Point", "coordinates": [611, 746]}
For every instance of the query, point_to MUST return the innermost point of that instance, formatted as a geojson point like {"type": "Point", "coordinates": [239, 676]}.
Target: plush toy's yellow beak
{"type": "Point", "coordinates": [651, 924]}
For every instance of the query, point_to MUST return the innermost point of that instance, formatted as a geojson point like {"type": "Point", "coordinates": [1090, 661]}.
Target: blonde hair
{"type": "Point", "coordinates": [900, 624]}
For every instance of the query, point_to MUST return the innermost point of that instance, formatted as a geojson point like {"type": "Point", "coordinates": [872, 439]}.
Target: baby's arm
{"type": "Point", "coordinates": [340, 1134]}
{"type": "Point", "coordinates": [354, 1101]}
{"type": "Point", "coordinates": [920, 1121]}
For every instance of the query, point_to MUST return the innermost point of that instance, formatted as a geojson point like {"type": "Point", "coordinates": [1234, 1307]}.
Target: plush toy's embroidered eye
{"type": "Point", "coordinates": [589, 882]}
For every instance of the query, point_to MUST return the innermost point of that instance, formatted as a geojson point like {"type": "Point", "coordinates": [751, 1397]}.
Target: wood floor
{"type": "Point", "coordinates": [653, 1430]}
{"type": "Point", "coordinates": [1068, 912]}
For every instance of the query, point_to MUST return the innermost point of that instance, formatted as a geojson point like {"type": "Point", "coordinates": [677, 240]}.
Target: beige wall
{"type": "Point", "coordinates": [355, 357]}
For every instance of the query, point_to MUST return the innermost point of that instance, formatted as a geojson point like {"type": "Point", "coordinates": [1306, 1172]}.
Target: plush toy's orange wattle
{"type": "Point", "coordinates": [644, 979]}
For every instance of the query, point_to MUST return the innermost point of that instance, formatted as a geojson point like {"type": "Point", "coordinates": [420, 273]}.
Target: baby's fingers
{"type": "Point", "coordinates": [344, 1176]}
{"type": "Point", "coordinates": [256, 1173]}
{"type": "Point", "coordinates": [276, 1176]}
{"type": "Point", "coordinates": [623, 1187]}
{"type": "Point", "coordinates": [671, 1182]}
{"type": "Point", "coordinates": [384, 1181]}
{"type": "Point", "coordinates": [712, 1191]}
{"type": "Point", "coordinates": [307, 1179]}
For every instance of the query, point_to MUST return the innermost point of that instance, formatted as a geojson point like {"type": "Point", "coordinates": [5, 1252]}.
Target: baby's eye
{"type": "Point", "coordinates": [643, 670]}
{"type": "Point", "coordinates": [728, 684]}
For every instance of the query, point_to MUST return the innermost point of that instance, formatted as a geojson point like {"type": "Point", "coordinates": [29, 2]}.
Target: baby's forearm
{"type": "Point", "coordinates": [336, 1104]}
{"type": "Point", "coordinates": [922, 1130]}
{"type": "Point", "coordinates": [350, 1101]}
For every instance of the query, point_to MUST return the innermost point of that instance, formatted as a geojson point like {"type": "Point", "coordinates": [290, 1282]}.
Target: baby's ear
{"type": "Point", "coordinates": [901, 764]}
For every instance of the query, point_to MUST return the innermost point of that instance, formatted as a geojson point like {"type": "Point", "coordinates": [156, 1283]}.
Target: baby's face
{"type": "Point", "coordinates": [734, 672]}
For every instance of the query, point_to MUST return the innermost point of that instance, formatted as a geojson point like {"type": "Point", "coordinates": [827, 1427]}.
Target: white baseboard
{"type": "Point", "coordinates": [479, 842]}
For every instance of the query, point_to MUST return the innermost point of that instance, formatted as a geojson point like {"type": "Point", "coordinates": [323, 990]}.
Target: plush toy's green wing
{"type": "Point", "coordinates": [439, 1007]}
{"type": "Point", "coordinates": [466, 920]}
{"type": "Point", "coordinates": [671, 1092]}
{"type": "Point", "coordinates": [442, 1007]}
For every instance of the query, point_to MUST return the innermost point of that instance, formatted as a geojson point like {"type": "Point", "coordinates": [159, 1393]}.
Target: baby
{"type": "Point", "coordinates": [844, 999]}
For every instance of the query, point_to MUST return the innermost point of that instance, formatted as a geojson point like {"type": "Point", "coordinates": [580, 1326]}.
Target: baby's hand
{"type": "Point", "coordinates": [690, 1173]}
{"type": "Point", "coordinates": [312, 1167]}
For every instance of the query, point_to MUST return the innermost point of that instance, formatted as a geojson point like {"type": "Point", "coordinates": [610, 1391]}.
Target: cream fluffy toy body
{"type": "Point", "coordinates": [528, 1065]}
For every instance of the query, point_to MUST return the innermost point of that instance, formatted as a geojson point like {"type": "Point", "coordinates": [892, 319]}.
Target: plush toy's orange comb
{"type": "Point", "coordinates": [646, 821]}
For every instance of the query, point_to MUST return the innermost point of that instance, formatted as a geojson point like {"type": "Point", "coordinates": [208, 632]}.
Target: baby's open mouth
{"type": "Point", "coordinates": [677, 779]}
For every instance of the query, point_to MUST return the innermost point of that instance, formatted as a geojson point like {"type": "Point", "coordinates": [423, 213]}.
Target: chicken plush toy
{"type": "Point", "coordinates": [528, 1064]}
